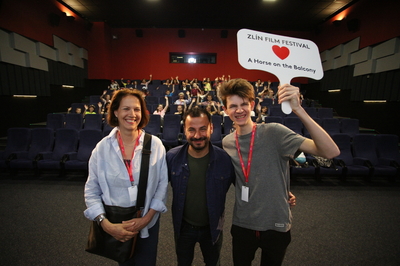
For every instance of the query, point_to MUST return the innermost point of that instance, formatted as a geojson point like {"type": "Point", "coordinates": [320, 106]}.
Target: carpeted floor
{"type": "Point", "coordinates": [353, 223]}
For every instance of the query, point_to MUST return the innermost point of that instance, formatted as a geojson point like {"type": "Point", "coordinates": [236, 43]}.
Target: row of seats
{"type": "Point", "coordinates": [76, 121]}
{"type": "Point", "coordinates": [44, 149]}
{"type": "Point", "coordinates": [364, 155]}
{"type": "Point", "coordinates": [330, 125]}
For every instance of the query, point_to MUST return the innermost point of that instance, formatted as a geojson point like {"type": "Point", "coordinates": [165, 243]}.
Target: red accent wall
{"type": "Point", "coordinates": [137, 57]}
{"type": "Point", "coordinates": [379, 21]}
{"type": "Point", "coordinates": [129, 56]}
{"type": "Point", "coordinates": [30, 18]}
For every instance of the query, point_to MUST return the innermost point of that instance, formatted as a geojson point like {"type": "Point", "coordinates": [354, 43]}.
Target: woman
{"type": "Point", "coordinates": [161, 110]}
{"type": "Point", "coordinates": [114, 169]}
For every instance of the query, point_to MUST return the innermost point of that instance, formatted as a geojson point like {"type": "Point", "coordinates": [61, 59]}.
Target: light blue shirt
{"type": "Point", "coordinates": [109, 181]}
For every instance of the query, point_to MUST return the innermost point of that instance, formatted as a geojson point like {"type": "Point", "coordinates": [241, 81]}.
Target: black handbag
{"type": "Point", "coordinates": [103, 244]}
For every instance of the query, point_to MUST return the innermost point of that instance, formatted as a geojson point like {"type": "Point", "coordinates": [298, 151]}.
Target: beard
{"type": "Point", "coordinates": [197, 147]}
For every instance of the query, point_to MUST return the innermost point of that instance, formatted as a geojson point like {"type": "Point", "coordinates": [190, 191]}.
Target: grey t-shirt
{"type": "Point", "coordinates": [269, 180]}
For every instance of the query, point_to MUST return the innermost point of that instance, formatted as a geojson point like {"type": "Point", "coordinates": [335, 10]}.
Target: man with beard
{"type": "Point", "coordinates": [200, 175]}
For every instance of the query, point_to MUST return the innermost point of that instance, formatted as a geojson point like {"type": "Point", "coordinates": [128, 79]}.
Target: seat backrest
{"type": "Point", "coordinates": [217, 127]}
{"type": "Point", "coordinates": [324, 112]}
{"type": "Point", "coordinates": [94, 99]}
{"type": "Point", "coordinates": [66, 140]}
{"type": "Point", "coordinates": [55, 121]}
{"type": "Point", "coordinates": [275, 110]}
{"type": "Point", "coordinates": [273, 119]}
{"type": "Point", "coordinates": [106, 129]}
{"type": "Point", "coordinates": [74, 121]}
{"type": "Point", "coordinates": [349, 126]}
{"type": "Point", "coordinates": [388, 146]}
{"type": "Point", "coordinates": [18, 139]}
{"type": "Point", "coordinates": [88, 138]}
{"type": "Point", "coordinates": [311, 111]}
{"type": "Point", "coordinates": [331, 125]}
{"type": "Point", "coordinates": [151, 100]}
{"type": "Point", "coordinates": [154, 125]}
{"type": "Point", "coordinates": [294, 123]}
{"type": "Point", "coordinates": [172, 121]}
{"type": "Point", "coordinates": [227, 121]}
{"type": "Point", "coordinates": [343, 141]}
{"type": "Point", "coordinates": [42, 141]}
{"type": "Point", "coordinates": [364, 146]}
{"type": "Point", "coordinates": [93, 121]}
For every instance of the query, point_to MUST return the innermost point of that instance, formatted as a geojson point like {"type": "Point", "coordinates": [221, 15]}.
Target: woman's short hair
{"type": "Point", "coordinates": [239, 87]}
{"type": "Point", "coordinates": [116, 101]}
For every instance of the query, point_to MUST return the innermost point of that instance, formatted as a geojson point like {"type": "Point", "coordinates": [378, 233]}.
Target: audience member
{"type": "Point", "coordinates": [195, 90]}
{"type": "Point", "coordinates": [145, 83]}
{"type": "Point", "coordinates": [181, 100]}
{"type": "Point", "coordinates": [207, 84]}
{"type": "Point", "coordinates": [209, 100]}
{"type": "Point", "coordinates": [161, 110]}
{"type": "Point", "coordinates": [91, 110]}
{"type": "Point", "coordinates": [76, 111]}
{"type": "Point", "coordinates": [114, 85]}
{"type": "Point", "coordinates": [262, 111]}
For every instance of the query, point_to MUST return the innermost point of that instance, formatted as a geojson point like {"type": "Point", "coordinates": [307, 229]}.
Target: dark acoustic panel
{"type": "Point", "coordinates": [139, 33]}
{"type": "Point", "coordinates": [224, 34]}
{"type": "Point", "coordinates": [181, 34]}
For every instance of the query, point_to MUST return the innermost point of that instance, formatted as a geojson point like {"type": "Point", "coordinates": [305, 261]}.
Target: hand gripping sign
{"type": "Point", "coordinates": [285, 57]}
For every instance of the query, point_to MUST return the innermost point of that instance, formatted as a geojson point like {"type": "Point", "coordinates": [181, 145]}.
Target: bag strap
{"type": "Point", "coordinates": [144, 171]}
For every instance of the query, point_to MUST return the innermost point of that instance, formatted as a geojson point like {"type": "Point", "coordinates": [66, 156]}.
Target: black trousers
{"type": "Point", "coordinates": [245, 243]}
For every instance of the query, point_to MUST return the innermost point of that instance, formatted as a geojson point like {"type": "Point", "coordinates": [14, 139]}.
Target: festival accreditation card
{"type": "Point", "coordinates": [133, 190]}
{"type": "Point", "coordinates": [283, 56]}
{"type": "Point", "coordinates": [245, 193]}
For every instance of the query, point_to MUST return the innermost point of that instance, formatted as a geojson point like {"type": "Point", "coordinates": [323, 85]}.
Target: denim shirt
{"type": "Point", "coordinates": [220, 175]}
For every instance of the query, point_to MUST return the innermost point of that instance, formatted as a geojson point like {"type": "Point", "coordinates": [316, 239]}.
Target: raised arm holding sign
{"type": "Point", "coordinates": [285, 57]}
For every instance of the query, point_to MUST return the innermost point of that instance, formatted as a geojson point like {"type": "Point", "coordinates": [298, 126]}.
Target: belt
{"type": "Point", "coordinates": [195, 227]}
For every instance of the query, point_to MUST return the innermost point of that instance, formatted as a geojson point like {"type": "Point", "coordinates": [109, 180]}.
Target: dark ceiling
{"type": "Point", "coordinates": [297, 15]}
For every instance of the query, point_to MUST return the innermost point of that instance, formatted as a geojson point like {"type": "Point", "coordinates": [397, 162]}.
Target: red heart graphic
{"type": "Point", "coordinates": [281, 52]}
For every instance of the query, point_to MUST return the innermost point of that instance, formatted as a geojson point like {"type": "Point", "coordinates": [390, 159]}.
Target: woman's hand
{"type": "Point", "coordinates": [119, 230]}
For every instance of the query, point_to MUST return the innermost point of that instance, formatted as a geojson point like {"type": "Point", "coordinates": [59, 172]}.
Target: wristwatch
{"type": "Point", "coordinates": [100, 218]}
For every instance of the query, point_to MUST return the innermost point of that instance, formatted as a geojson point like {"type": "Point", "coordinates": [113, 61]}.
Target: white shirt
{"type": "Point", "coordinates": [109, 181]}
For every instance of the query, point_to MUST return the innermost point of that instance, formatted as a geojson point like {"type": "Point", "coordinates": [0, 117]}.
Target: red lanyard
{"type": "Point", "coordinates": [246, 172]}
{"type": "Point", "coordinates": [127, 164]}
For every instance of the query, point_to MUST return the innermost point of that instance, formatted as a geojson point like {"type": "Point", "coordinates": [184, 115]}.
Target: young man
{"type": "Point", "coordinates": [200, 175]}
{"type": "Point", "coordinates": [260, 154]}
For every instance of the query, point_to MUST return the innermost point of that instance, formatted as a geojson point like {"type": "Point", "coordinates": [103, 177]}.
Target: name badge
{"type": "Point", "coordinates": [245, 193]}
{"type": "Point", "coordinates": [133, 190]}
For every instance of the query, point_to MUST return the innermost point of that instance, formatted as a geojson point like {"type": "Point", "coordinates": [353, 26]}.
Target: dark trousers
{"type": "Point", "coordinates": [185, 244]}
{"type": "Point", "coordinates": [145, 249]}
{"type": "Point", "coordinates": [245, 243]}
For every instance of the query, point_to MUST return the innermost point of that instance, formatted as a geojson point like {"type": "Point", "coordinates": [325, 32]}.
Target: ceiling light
{"type": "Point", "coordinates": [374, 101]}
{"type": "Point", "coordinates": [24, 96]}
{"type": "Point", "coordinates": [335, 90]}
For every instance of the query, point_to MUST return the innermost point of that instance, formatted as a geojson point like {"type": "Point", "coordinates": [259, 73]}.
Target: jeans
{"type": "Point", "coordinates": [145, 249]}
{"type": "Point", "coordinates": [245, 243]}
{"type": "Point", "coordinates": [187, 240]}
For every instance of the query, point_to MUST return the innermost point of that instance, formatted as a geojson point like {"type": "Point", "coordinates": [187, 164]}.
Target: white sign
{"type": "Point", "coordinates": [283, 56]}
